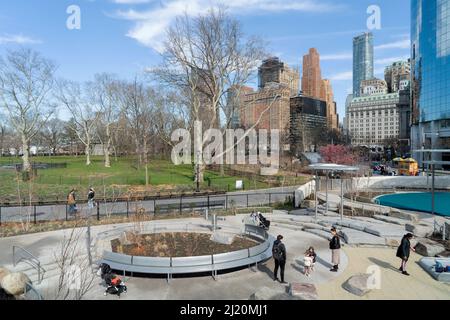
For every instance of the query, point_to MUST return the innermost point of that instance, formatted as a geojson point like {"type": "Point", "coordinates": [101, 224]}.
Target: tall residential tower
{"type": "Point", "coordinates": [362, 61]}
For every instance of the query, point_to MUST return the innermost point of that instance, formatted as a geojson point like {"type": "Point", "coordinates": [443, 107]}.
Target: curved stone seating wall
{"type": "Point", "coordinates": [428, 263]}
{"type": "Point", "coordinates": [388, 182]}
{"type": "Point", "coordinates": [194, 264]}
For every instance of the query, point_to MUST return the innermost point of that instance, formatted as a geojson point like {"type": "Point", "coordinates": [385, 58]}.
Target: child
{"type": "Point", "coordinates": [310, 260]}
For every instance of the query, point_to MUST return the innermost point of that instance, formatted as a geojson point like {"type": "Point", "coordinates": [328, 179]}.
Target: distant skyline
{"type": "Point", "coordinates": [125, 37]}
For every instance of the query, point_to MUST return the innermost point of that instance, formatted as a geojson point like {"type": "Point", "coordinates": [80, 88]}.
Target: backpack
{"type": "Point", "coordinates": [277, 251]}
{"type": "Point", "coordinates": [439, 267]}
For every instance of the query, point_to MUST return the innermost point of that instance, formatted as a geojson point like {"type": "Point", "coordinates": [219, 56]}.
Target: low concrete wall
{"type": "Point", "coordinates": [441, 182]}
{"type": "Point", "coordinates": [304, 192]}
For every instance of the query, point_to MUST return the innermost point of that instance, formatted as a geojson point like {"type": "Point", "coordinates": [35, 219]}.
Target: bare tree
{"type": "Point", "coordinates": [204, 57]}
{"type": "Point", "coordinates": [51, 134]}
{"type": "Point", "coordinates": [106, 96]}
{"type": "Point", "coordinates": [84, 114]}
{"type": "Point", "coordinates": [138, 103]}
{"type": "Point", "coordinates": [26, 78]}
{"type": "Point", "coordinates": [76, 276]}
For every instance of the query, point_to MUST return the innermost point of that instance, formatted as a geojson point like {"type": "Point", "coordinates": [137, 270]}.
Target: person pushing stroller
{"type": "Point", "coordinates": [114, 285]}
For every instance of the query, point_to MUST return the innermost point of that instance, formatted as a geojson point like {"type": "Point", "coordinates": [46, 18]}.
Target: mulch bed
{"type": "Point", "coordinates": [179, 244]}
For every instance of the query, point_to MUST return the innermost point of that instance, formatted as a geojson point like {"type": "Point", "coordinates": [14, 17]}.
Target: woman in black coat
{"type": "Point", "coordinates": [403, 252]}
{"type": "Point", "coordinates": [335, 246]}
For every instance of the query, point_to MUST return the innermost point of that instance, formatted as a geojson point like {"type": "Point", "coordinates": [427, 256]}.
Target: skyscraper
{"type": "Point", "coordinates": [273, 70]}
{"type": "Point", "coordinates": [315, 87]}
{"type": "Point", "coordinates": [430, 76]}
{"type": "Point", "coordinates": [311, 78]}
{"type": "Point", "coordinates": [362, 60]}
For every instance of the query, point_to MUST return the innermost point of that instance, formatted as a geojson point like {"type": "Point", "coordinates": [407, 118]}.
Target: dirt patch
{"type": "Point", "coordinates": [179, 244]}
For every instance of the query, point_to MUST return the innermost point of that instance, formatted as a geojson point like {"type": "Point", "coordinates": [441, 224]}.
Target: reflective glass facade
{"type": "Point", "coordinates": [430, 43]}
{"type": "Point", "coordinates": [362, 60]}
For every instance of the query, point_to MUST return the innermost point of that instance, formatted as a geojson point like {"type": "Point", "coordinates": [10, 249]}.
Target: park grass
{"type": "Point", "coordinates": [124, 177]}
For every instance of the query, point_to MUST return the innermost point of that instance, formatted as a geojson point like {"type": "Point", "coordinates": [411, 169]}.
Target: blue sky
{"type": "Point", "coordinates": [124, 36]}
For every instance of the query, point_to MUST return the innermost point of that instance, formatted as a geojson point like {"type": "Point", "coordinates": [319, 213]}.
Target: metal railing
{"type": "Point", "coordinates": [21, 254]}
{"type": "Point", "coordinates": [439, 228]}
{"type": "Point", "coordinates": [32, 293]}
{"type": "Point", "coordinates": [156, 206]}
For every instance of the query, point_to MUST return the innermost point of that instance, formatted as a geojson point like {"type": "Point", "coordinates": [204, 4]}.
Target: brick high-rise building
{"type": "Point", "coordinates": [273, 70]}
{"type": "Point", "coordinates": [326, 94]}
{"type": "Point", "coordinates": [268, 108]}
{"type": "Point", "coordinates": [315, 87]}
{"type": "Point", "coordinates": [312, 77]}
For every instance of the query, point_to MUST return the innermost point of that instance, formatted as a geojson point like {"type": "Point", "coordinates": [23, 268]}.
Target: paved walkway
{"type": "Point", "coordinates": [238, 199]}
{"type": "Point", "coordinates": [242, 284]}
{"type": "Point", "coordinates": [394, 285]}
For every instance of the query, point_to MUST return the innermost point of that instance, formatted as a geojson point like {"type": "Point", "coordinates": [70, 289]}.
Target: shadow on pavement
{"type": "Point", "coordinates": [264, 268]}
{"type": "Point", "coordinates": [383, 264]}
{"type": "Point", "coordinates": [327, 265]}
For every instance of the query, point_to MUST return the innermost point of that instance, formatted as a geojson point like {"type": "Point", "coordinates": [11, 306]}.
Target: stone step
{"type": "Point", "coordinates": [356, 237]}
{"type": "Point", "coordinates": [321, 233]}
{"type": "Point", "coordinates": [393, 220]}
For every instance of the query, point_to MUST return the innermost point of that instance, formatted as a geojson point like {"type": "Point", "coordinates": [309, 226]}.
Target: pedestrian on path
{"type": "Point", "coordinates": [279, 256]}
{"type": "Point", "coordinates": [335, 247]}
{"type": "Point", "coordinates": [72, 202]}
{"type": "Point", "coordinates": [404, 250]}
{"type": "Point", "coordinates": [91, 196]}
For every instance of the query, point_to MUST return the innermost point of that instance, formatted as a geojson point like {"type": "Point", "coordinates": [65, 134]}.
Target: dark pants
{"type": "Point", "coordinates": [280, 264]}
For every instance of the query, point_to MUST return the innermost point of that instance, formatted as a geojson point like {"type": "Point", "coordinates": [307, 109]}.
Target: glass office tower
{"type": "Point", "coordinates": [430, 75]}
{"type": "Point", "coordinates": [362, 60]}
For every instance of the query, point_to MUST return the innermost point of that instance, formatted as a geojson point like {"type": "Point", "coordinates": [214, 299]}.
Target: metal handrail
{"type": "Point", "coordinates": [35, 295]}
{"type": "Point", "coordinates": [31, 259]}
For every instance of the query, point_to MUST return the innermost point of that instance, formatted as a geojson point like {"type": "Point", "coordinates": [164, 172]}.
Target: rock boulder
{"type": "Point", "coordinates": [429, 248]}
{"type": "Point", "coordinates": [3, 273]}
{"type": "Point", "coordinates": [303, 291]}
{"type": "Point", "coordinates": [14, 283]}
{"type": "Point", "coordinates": [419, 230]}
{"type": "Point", "coordinates": [357, 284]}
{"type": "Point", "coordinates": [266, 293]}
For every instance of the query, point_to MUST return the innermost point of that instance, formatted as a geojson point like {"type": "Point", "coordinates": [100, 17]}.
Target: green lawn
{"type": "Point", "coordinates": [123, 177]}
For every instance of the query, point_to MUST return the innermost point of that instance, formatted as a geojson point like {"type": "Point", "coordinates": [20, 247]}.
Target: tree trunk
{"type": "Point", "coordinates": [88, 154]}
{"type": "Point", "coordinates": [145, 156]}
{"type": "Point", "coordinates": [26, 154]}
{"type": "Point", "coordinates": [107, 148]}
{"type": "Point", "coordinates": [2, 141]}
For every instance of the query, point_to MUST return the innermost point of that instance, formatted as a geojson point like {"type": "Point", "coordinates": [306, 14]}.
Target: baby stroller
{"type": "Point", "coordinates": [263, 222]}
{"type": "Point", "coordinates": [114, 284]}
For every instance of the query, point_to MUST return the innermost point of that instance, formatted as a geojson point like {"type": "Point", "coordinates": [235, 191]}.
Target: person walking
{"type": "Point", "coordinates": [404, 250]}
{"type": "Point", "coordinates": [72, 202]}
{"type": "Point", "coordinates": [335, 246]}
{"type": "Point", "coordinates": [279, 256]}
{"type": "Point", "coordinates": [91, 196]}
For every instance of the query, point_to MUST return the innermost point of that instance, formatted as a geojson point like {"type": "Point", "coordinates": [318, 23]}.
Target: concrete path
{"type": "Point", "coordinates": [394, 285]}
{"type": "Point", "coordinates": [236, 285]}
{"type": "Point", "coordinates": [58, 212]}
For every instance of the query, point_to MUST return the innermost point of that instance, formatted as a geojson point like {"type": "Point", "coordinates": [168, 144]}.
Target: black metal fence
{"type": "Point", "coordinates": [40, 212]}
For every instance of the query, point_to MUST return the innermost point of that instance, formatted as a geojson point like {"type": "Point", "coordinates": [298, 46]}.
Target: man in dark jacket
{"type": "Point", "coordinates": [335, 247]}
{"type": "Point", "coordinates": [403, 252]}
{"type": "Point", "coordinates": [279, 256]}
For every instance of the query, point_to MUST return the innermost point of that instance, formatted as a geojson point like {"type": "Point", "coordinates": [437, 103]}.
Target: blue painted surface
{"type": "Point", "coordinates": [417, 202]}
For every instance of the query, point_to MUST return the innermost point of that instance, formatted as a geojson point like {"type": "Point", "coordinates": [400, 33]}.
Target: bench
{"type": "Point", "coordinates": [190, 265]}
{"type": "Point", "coordinates": [428, 263]}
